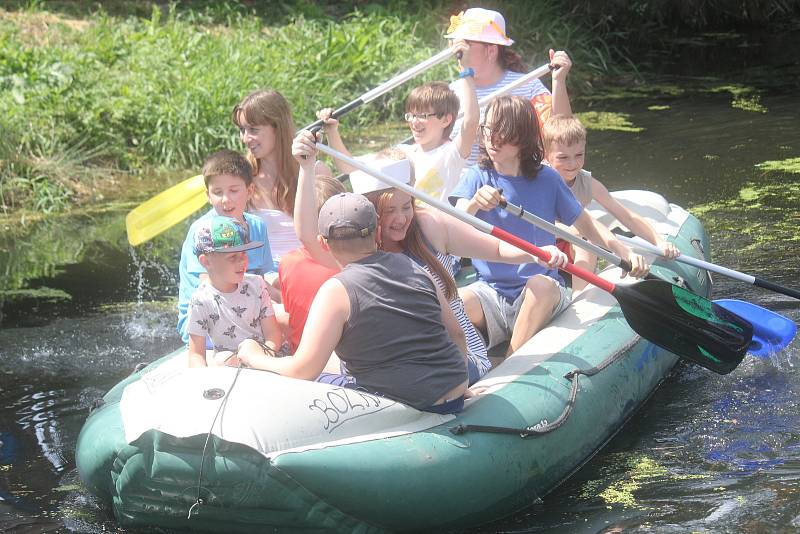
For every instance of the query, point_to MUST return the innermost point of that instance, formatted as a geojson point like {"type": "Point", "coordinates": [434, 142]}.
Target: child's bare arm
{"type": "Point", "coordinates": [331, 130]}
{"type": "Point", "coordinates": [469, 102]}
{"type": "Point", "coordinates": [271, 332]}
{"type": "Point", "coordinates": [306, 216]}
{"type": "Point", "coordinates": [561, 64]}
{"type": "Point", "coordinates": [197, 351]}
{"type": "Point", "coordinates": [601, 236]}
{"type": "Point", "coordinates": [326, 319]}
{"type": "Point", "coordinates": [631, 220]}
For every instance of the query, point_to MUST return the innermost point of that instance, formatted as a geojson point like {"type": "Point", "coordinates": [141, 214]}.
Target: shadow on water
{"type": "Point", "coordinates": [706, 453]}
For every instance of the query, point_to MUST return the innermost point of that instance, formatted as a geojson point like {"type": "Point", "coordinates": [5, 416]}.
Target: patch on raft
{"type": "Point", "coordinates": [607, 120]}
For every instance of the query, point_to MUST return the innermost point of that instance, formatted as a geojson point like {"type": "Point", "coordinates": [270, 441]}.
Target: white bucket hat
{"type": "Point", "coordinates": [478, 24]}
{"type": "Point", "coordinates": [363, 183]}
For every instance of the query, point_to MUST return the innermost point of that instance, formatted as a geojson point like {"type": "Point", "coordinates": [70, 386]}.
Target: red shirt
{"type": "Point", "coordinates": [301, 278]}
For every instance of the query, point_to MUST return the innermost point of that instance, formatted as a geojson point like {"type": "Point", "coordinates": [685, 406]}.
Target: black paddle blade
{"type": "Point", "coordinates": [685, 324]}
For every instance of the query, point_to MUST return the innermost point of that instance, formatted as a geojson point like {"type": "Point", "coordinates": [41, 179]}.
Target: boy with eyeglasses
{"type": "Point", "coordinates": [431, 112]}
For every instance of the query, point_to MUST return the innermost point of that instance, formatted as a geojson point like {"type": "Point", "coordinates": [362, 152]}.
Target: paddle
{"type": "Point", "coordinates": [522, 80]}
{"type": "Point", "coordinates": [181, 200]}
{"type": "Point", "coordinates": [673, 318]}
{"type": "Point", "coordinates": [641, 244]}
{"type": "Point", "coordinates": [771, 331]}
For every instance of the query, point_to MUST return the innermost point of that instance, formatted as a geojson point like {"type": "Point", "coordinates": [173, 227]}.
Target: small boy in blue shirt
{"type": "Point", "coordinates": [229, 184]}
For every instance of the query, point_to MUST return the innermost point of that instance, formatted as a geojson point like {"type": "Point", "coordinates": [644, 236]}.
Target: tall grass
{"type": "Point", "coordinates": [135, 92]}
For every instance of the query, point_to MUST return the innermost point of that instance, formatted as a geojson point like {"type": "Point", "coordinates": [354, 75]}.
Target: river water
{"type": "Point", "coordinates": [706, 453]}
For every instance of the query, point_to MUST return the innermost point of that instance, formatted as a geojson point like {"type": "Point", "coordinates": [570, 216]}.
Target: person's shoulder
{"type": "Point", "coordinates": [474, 172]}
{"type": "Point", "coordinates": [254, 279]}
{"type": "Point", "coordinates": [197, 222]}
{"type": "Point", "coordinates": [255, 222]}
{"type": "Point", "coordinates": [549, 175]}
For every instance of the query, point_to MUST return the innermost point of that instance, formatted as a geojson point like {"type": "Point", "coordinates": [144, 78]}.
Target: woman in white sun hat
{"type": "Point", "coordinates": [496, 65]}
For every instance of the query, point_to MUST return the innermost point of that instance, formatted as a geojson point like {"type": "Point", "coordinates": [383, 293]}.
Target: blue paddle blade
{"type": "Point", "coordinates": [772, 331]}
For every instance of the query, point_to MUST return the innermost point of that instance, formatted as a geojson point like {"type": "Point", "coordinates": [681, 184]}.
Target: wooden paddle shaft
{"type": "Point", "coordinates": [481, 225]}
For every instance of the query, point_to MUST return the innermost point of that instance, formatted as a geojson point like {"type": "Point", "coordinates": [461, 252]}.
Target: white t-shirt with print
{"type": "Point", "coordinates": [230, 318]}
{"type": "Point", "coordinates": [436, 171]}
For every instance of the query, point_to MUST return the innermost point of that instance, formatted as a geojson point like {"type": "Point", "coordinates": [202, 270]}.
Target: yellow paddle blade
{"type": "Point", "coordinates": [165, 210]}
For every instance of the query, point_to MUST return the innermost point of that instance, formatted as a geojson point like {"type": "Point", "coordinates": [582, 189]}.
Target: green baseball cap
{"type": "Point", "coordinates": [222, 234]}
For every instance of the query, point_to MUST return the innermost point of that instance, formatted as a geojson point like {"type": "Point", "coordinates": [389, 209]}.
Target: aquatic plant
{"type": "Point", "coordinates": [788, 165]}
{"type": "Point", "coordinates": [606, 120]}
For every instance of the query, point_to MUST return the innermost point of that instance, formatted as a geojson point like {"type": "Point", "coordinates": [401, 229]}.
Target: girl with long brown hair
{"type": "Point", "coordinates": [266, 128]}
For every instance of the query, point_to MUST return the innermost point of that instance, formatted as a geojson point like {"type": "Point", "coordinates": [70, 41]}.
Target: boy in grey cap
{"type": "Point", "coordinates": [382, 314]}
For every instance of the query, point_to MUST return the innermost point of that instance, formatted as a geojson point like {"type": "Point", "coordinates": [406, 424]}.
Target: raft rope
{"type": "Point", "coordinates": [199, 500]}
{"type": "Point", "coordinates": [540, 429]}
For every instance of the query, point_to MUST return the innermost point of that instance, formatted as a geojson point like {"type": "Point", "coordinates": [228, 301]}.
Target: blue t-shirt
{"type": "Point", "coordinates": [546, 195]}
{"type": "Point", "coordinates": [259, 261]}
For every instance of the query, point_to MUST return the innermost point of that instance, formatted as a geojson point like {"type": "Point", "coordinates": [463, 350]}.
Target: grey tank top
{"type": "Point", "coordinates": [582, 187]}
{"type": "Point", "coordinates": [394, 341]}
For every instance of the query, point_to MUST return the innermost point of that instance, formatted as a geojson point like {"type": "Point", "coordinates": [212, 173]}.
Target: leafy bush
{"type": "Point", "coordinates": [118, 90]}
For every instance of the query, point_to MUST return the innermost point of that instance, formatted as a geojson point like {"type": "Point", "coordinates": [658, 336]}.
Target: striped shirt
{"type": "Point", "coordinates": [528, 91]}
{"type": "Point", "coordinates": [476, 347]}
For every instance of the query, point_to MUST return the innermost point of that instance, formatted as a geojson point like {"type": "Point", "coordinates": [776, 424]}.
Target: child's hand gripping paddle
{"type": "Point", "coordinates": [673, 318]}
{"type": "Point", "coordinates": [771, 331]}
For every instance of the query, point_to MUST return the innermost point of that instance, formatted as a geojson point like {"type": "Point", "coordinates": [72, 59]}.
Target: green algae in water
{"type": "Point", "coordinates": [788, 165]}
{"type": "Point", "coordinates": [658, 108]}
{"type": "Point", "coordinates": [766, 214]}
{"type": "Point", "coordinates": [744, 97]}
{"type": "Point", "coordinates": [749, 103]}
{"type": "Point", "coordinates": [606, 120]}
{"type": "Point", "coordinates": [640, 92]}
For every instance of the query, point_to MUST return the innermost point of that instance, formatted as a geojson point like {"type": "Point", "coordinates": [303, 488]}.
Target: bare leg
{"type": "Point", "coordinates": [541, 296]}
{"type": "Point", "coordinates": [587, 260]}
{"type": "Point", "coordinates": [472, 307]}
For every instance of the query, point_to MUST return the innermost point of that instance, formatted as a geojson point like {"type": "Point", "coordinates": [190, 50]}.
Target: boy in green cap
{"type": "Point", "coordinates": [231, 305]}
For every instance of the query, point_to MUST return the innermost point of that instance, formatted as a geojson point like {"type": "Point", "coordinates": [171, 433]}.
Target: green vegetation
{"type": "Point", "coordinates": [788, 165]}
{"type": "Point", "coordinates": [743, 97]}
{"type": "Point", "coordinates": [606, 120]}
{"type": "Point", "coordinates": [114, 89]}
{"type": "Point", "coordinates": [764, 212]}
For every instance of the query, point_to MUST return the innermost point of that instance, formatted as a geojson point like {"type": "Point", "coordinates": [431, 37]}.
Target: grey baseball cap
{"type": "Point", "coordinates": [347, 216]}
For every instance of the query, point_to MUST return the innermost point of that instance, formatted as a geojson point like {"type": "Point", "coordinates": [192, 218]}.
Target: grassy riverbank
{"type": "Point", "coordinates": [96, 96]}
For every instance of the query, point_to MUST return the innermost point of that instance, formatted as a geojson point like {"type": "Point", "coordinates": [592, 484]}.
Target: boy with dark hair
{"type": "Point", "coordinates": [229, 185]}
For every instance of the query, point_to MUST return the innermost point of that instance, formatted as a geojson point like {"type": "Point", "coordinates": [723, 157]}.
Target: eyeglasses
{"type": "Point", "coordinates": [420, 116]}
{"type": "Point", "coordinates": [485, 130]}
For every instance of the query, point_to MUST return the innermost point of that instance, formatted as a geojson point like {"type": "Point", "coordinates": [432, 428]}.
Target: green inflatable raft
{"type": "Point", "coordinates": [227, 450]}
